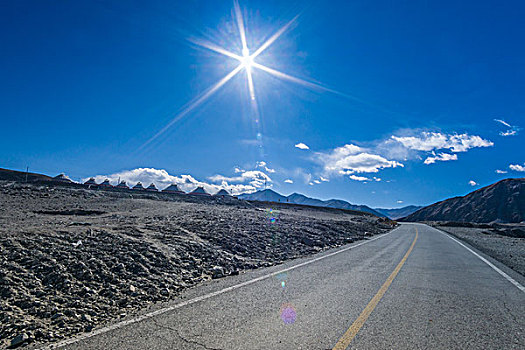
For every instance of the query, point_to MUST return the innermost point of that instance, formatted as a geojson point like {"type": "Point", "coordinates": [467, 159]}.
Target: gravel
{"type": "Point", "coordinates": [72, 259]}
{"type": "Point", "coordinates": [498, 243]}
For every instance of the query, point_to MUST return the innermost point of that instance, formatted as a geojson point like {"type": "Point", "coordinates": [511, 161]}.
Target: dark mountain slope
{"type": "Point", "coordinates": [21, 176]}
{"type": "Point", "coordinates": [503, 201]}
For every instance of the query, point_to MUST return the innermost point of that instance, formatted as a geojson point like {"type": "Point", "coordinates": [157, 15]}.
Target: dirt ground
{"type": "Point", "coordinates": [72, 259]}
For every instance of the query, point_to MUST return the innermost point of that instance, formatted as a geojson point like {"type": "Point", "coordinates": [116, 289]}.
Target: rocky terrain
{"type": "Point", "coordinates": [72, 259]}
{"type": "Point", "coordinates": [503, 201]}
{"type": "Point", "coordinates": [505, 243]}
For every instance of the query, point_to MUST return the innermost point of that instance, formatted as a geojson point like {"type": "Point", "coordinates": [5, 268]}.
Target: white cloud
{"type": "Point", "coordinates": [317, 182]}
{"type": "Point", "coordinates": [359, 178]}
{"type": "Point", "coordinates": [513, 129]}
{"type": "Point", "coordinates": [473, 183]}
{"type": "Point", "coordinates": [324, 179]}
{"type": "Point", "coordinates": [399, 202]}
{"type": "Point", "coordinates": [517, 167]}
{"type": "Point", "coordinates": [263, 165]}
{"type": "Point", "coordinates": [288, 181]}
{"type": "Point", "coordinates": [501, 171]}
{"type": "Point", "coordinates": [429, 141]}
{"type": "Point", "coordinates": [301, 145]}
{"type": "Point", "coordinates": [256, 178]}
{"type": "Point", "coordinates": [377, 178]}
{"type": "Point", "coordinates": [162, 179]}
{"type": "Point", "coordinates": [350, 159]}
{"type": "Point", "coordinates": [442, 157]}
{"type": "Point", "coordinates": [311, 183]}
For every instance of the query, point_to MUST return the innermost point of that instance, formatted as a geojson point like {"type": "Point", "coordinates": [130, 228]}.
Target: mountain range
{"type": "Point", "coordinates": [503, 201]}
{"type": "Point", "coordinates": [398, 213]}
{"type": "Point", "coordinates": [296, 198]}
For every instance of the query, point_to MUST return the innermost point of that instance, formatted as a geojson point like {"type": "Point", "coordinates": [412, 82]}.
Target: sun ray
{"type": "Point", "coordinates": [250, 82]}
{"type": "Point", "coordinates": [195, 103]}
{"type": "Point", "coordinates": [215, 48]}
{"type": "Point", "coordinates": [317, 86]}
{"type": "Point", "coordinates": [240, 24]}
{"type": "Point", "coordinates": [274, 37]}
{"type": "Point", "coordinates": [296, 80]}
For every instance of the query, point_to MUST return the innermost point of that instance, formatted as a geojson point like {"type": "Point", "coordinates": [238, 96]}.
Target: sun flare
{"type": "Point", "coordinates": [246, 62]}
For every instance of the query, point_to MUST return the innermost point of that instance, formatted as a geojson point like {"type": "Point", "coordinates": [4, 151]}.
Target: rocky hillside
{"type": "Point", "coordinates": [503, 201]}
{"type": "Point", "coordinates": [296, 198]}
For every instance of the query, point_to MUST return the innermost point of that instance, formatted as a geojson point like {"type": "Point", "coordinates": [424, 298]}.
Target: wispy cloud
{"type": "Point", "coordinates": [301, 145]}
{"type": "Point", "coordinates": [429, 141]}
{"type": "Point", "coordinates": [288, 181]}
{"type": "Point", "coordinates": [473, 183]}
{"type": "Point", "coordinates": [498, 171]}
{"type": "Point", "coordinates": [512, 129]}
{"type": "Point", "coordinates": [441, 157]}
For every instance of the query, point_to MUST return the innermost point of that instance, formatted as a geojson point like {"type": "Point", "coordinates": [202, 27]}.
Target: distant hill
{"type": "Point", "coordinates": [296, 198]}
{"type": "Point", "coordinates": [503, 201]}
{"type": "Point", "coordinates": [264, 196]}
{"type": "Point", "coordinates": [397, 213]}
{"type": "Point", "coordinates": [21, 176]}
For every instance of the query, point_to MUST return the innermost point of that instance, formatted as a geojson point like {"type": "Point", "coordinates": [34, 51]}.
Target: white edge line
{"type": "Point", "coordinates": [507, 277]}
{"type": "Point", "coordinates": [200, 298]}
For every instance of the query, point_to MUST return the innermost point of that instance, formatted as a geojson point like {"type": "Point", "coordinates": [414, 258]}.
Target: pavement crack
{"type": "Point", "coordinates": [184, 339]}
{"type": "Point", "coordinates": [509, 310]}
{"type": "Point", "coordinates": [512, 316]}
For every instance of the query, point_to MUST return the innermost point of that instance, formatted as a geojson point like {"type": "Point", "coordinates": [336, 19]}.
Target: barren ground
{"type": "Point", "coordinates": [72, 259]}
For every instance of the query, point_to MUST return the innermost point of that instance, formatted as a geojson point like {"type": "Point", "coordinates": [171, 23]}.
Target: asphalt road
{"type": "Point", "coordinates": [395, 292]}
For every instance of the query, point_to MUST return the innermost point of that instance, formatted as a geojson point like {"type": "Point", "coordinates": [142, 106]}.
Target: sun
{"type": "Point", "coordinates": [246, 62]}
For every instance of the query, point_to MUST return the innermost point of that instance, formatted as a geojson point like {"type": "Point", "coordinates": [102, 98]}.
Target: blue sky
{"type": "Point", "coordinates": [398, 102]}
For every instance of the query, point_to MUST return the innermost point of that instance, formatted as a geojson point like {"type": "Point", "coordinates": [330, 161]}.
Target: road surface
{"type": "Point", "coordinates": [413, 288]}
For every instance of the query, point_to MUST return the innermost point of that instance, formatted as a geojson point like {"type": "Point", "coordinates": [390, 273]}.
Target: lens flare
{"type": "Point", "coordinates": [288, 313]}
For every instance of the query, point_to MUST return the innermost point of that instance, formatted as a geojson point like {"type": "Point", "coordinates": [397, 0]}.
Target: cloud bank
{"type": "Point", "coordinates": [246, 182]}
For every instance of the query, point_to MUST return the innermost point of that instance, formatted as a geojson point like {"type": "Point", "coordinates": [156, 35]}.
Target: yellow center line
{"type": "Point", "coordinates": [350, 334]}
